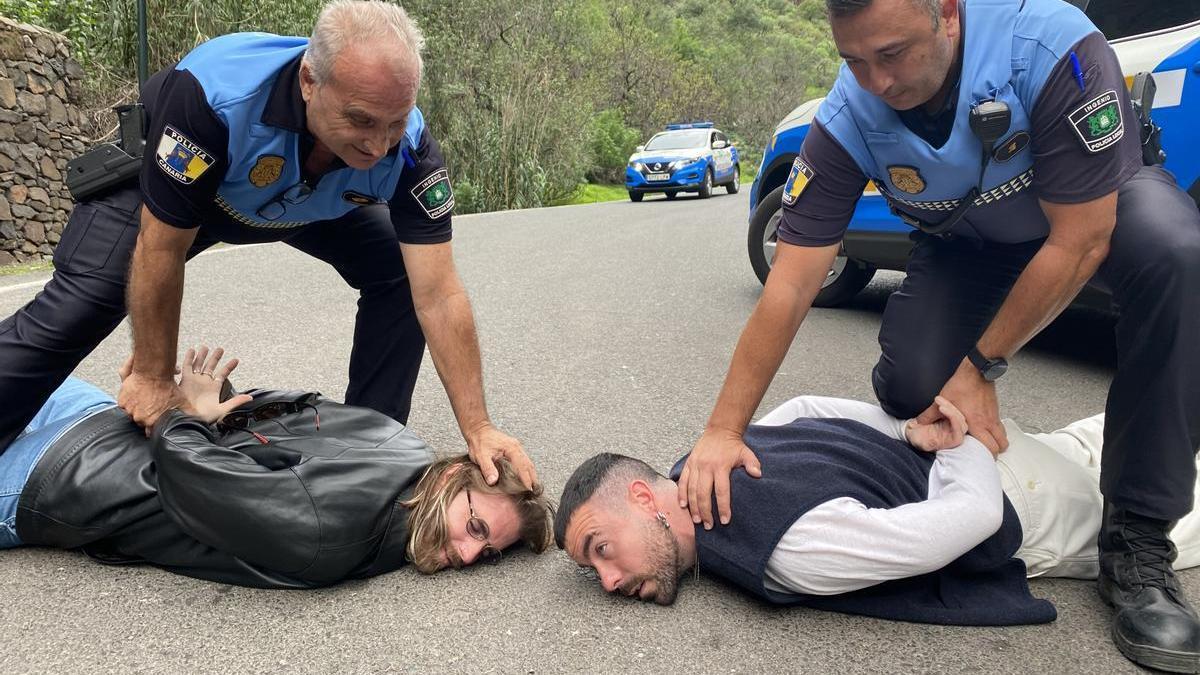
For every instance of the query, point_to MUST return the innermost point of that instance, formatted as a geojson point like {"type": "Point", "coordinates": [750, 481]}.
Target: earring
{"type": "Point", "coordinates": [662, 518]}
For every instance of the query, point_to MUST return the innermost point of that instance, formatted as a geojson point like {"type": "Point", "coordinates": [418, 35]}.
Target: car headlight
{"type": "Point", "coordinates": [636, 166]}
{"type": "Point", "coordinates": [680, 163]}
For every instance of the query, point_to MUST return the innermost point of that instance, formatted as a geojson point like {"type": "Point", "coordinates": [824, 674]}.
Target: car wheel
{"type": "Point", "coordinates": [846, 277]}
{"type": "Point", "coordinates": [734, 185]}
{"type": "Point", "coordinates": [706, 187]}
{"type": "Point", "coordinates": [671, 194]}
{"type": "Point", "coordinates": [635, 196]}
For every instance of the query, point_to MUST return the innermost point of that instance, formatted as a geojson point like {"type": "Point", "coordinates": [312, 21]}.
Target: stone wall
{"type": "Point", "coordinates": [39, 132]}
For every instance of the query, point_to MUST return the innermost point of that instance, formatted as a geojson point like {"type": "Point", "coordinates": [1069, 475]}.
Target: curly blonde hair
{"type": "Point", "coordinates": [428, 532]}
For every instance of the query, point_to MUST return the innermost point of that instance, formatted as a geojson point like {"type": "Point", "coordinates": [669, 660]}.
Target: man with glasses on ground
{"type": "Point", "coordinates": [282, 489]}
{"type": "Point", "coordinates": [252, 138]}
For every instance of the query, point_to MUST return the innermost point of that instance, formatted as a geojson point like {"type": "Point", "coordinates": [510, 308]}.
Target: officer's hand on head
{"type": "Point", "coordinates": [976, 398]}
{"type": "Point", "coordinates": [146, 398]}
{"type": "Point", "coordinates": [487, 444]}
{"type": "Point", "coordinates": [706, 472]}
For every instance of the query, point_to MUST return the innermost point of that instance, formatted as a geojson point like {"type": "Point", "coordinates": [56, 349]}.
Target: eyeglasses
{"type": "Point", "coordinates": [240, 420]}
{"type": "Point", "coordinates": [479, 531]}
{"type": "Point", "coordinates": [274, 209]}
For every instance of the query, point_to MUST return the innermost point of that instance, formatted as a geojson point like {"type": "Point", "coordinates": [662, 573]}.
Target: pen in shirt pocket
{"type": "Point", "coordinates": [1077, 68]}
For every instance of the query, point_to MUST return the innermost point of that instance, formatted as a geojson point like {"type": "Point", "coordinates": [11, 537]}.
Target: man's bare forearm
{"type": "Point", "coordinates": [154, 296]}
{"type": "Point", "coordinates": [449, 328]}
{"type": "Point", "coordinates": [786, 299]}
{"type": "Point", "coordinates": [760, 350]}
{"type": "Point", "coordinates": [1049, 282]}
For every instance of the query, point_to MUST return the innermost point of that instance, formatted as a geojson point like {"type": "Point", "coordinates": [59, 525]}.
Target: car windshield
{"type": "Point", "coordinates": [1121, 18]}
{"type": "Point", "coordinates": [679, 140]}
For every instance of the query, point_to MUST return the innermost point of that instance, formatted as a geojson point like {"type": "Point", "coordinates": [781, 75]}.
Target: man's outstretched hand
{"type": "Point", "coordinates": [200, 381]}
{"type": "Point", "coordinates": [197, 392]}
{"type": "Point", "coordinates": [487, 444]}
{"type": "Point", "coordinates": [706, 473]}
{"type": "Point", "coordinates": [976, 398]}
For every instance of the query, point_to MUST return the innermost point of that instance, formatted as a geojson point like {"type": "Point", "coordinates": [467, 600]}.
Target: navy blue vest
{"type": "Point", "coordinates": [812, 461]}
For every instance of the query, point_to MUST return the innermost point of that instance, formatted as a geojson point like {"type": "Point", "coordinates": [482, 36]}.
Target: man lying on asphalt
{"type": "Point", "coordinates": [861, 513]}
{"type": "Point", "coordinates": [284, 489]}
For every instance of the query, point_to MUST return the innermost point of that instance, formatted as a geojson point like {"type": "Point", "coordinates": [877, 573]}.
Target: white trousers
{"type": "Point", "coordinates": [1053, 482]}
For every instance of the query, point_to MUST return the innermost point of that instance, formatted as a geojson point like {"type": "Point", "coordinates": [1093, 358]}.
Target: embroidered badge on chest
{"type": "Point", "coordinates": [266, 170]}
{"type": "Point", "coordinates": [797, 180]}
{"type": "Point", "coordinates": [1009, 147]}
{"type": "Point", "coordinates": [1099, 122]}
{"type": "Point", "coordinates": [180, 158]}
{"type": "Point", "coordinates": [907, 179]}
{"type": "Point", "coordinates": [434, 195]}
{"type": "Point", "coordinates": [358, 198]}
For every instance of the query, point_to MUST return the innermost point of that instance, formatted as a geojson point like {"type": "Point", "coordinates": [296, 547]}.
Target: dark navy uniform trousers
{"type": "Point", "coordinates": [1152, 417]}
{"type": "Point", "coordinates": [85, 300]}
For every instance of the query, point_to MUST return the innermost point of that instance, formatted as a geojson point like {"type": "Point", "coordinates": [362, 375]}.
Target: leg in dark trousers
{"type": "Point", "coordinates": [951, 292]}
{"type": "Point", "coordinates": [388, 341]}
{"type": "Point", "coordinates": [81, 304]}
{"type": "Point", "coordinates": [1152, 421]}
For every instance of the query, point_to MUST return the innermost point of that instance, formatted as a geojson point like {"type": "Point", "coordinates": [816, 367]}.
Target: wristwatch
{"type": "Point", "coordinates": [990, 369]}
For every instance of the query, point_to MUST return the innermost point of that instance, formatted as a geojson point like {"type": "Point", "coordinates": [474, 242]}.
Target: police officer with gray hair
{"type": "Point", "coordinates": [1003, 131]}
{"type": "Point", "coordinates": [254, 137]}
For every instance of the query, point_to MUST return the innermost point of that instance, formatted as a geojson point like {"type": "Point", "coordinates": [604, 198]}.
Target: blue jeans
{"type": "Point", "coordinates": [71, 403]}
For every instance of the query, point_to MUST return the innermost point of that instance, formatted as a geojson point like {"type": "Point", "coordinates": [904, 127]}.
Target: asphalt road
{"type": "Point", "coordinates": [605, 327]}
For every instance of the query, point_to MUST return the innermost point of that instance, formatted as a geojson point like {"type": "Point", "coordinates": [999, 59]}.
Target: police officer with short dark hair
{"type": "Point", "coordinates": [251, 138]}
{"type": "Point", "coordinates": [1002, 129]}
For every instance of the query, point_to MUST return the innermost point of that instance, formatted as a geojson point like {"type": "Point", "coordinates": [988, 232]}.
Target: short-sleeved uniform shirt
{"type": "Point", "coordinates": [1065, 170]}
{"type": "Point", "coordinates": [177, 104]}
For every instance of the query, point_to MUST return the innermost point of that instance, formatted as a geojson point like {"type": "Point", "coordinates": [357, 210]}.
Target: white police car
{"type": "Point", "coordinates": [690, 157]}
{"type": "Point", "coordinates": [1162, 38]}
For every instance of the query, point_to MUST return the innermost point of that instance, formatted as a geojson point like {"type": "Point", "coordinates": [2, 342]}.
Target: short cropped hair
{"type": "Point", "coordinates": [347, 22]}
{"type": "Point", "coordinates": [597, 475]}
{"type": "Point", "coordinates": [841, 8]}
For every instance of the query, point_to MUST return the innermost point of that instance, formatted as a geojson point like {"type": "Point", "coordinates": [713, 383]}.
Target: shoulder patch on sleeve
{"type": "Point", "coordinates": [1099, 122]}
{"type": "Point", "coordinates": [797, 180]}
{"type": "Point", "coordinates": [180, 158]}
{"type": "Point", "coordinates": [434, 195]}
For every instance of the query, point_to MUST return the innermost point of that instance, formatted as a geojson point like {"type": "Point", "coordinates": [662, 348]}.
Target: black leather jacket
{"type": "Point", "coordinates": [309, 508]}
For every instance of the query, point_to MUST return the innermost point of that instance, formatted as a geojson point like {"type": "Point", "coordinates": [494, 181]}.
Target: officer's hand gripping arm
{"type": "Point", "coordinates": [1078, 244]}
{"type": "Point", "coordinates": [155, 292]}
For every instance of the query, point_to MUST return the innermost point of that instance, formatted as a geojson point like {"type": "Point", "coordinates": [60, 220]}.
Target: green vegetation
{"type": "Point", "coordinates": [590, 193]}
{"type": "Point", "coordinates": [529, 99]}
{"type": "Point", "coordinates": [27, 268]}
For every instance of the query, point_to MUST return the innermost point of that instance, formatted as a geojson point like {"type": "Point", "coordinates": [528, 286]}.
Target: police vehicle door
{"type": "Point", "coordinates": [722, 158]}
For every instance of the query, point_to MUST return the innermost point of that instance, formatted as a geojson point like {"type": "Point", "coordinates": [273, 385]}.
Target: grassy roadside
{"type": "Point", "coordinates": [589, 193]}
{"type": "Point", "coordinates": [25, 268]}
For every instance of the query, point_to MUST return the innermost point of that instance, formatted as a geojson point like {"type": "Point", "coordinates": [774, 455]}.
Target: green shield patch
{"type": "Point", "coordinates": [1099, 123]}
{"type": "Point", "coordinates": [434, 195]}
